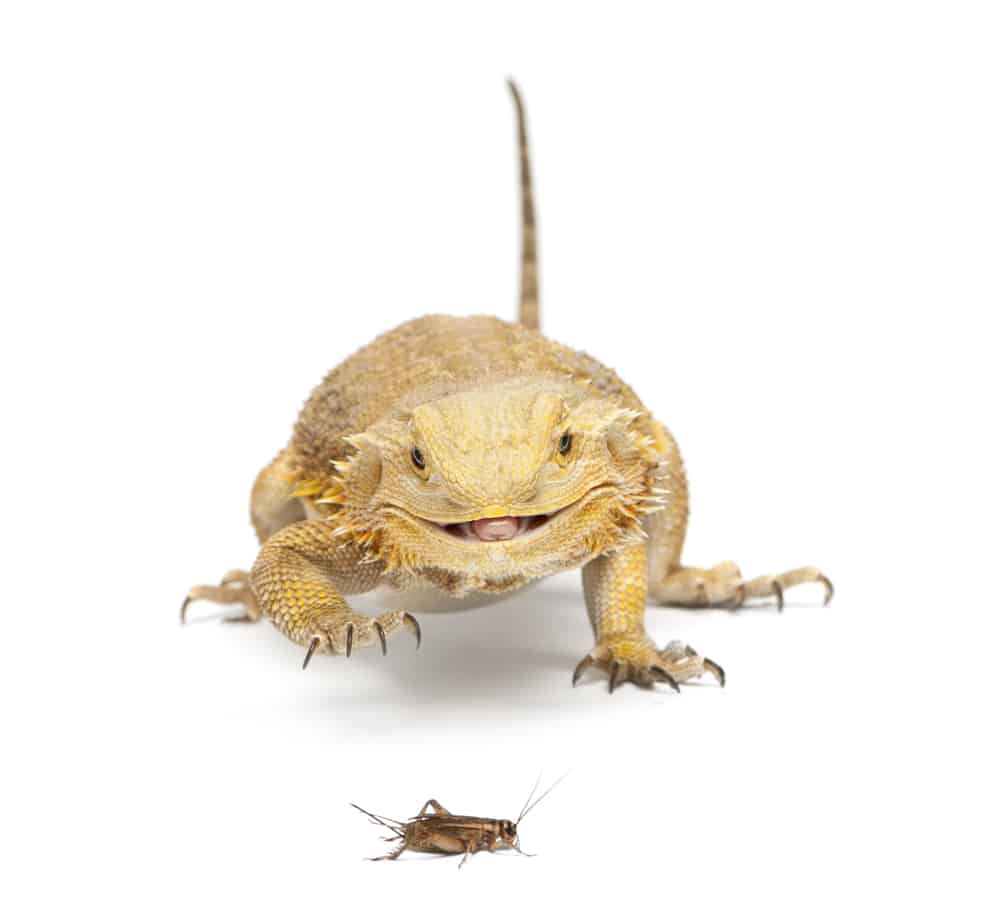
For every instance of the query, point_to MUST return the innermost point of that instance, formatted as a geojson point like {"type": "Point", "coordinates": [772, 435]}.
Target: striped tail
{"type": "Point", "coordinates": [528, 313]}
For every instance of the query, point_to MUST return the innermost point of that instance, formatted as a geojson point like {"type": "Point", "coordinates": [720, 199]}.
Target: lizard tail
{"type": "Point", "coordinates": [528, 313]}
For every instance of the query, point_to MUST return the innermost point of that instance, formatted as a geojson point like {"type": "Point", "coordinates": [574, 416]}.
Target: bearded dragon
{"type": "Point", "coordinates": [474, 456]}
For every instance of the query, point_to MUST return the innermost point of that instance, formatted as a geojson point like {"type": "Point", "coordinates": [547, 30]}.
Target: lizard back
{"type": "Point", "coordinates": [431, 357]}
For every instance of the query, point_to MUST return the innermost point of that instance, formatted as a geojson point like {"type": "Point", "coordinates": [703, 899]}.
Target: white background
{"type": "Point", "coordinates": [779, 221]}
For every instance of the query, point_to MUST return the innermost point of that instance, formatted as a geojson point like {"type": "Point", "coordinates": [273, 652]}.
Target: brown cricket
{"type": "Point", "coordinates": [443, 832]}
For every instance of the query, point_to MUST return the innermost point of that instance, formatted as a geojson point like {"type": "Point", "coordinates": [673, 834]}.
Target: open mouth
{"type": "Point", "coordinates": [502, 528]}
{"type": "Point", "coordinates": [493, 529]}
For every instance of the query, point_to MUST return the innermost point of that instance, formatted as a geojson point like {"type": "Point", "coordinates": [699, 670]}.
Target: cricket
{"type": "Point", "coordinates": [435, 830]}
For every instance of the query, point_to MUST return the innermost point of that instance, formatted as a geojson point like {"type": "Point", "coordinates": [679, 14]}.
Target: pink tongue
{"type": "Point", "coordinates": [495, 528]}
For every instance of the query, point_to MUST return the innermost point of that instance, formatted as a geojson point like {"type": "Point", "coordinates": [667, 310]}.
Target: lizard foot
{"type": "Point", "coordinates": [723, 586]}
{"type": "Point", "coordinates": [339, 634]}
{"type": "Point", "coordinates": [636, 659]}
{"type": "Point", "coordinates": [234, 589]}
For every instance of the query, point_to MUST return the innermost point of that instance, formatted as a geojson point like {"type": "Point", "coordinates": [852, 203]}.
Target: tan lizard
{"type": "Point", "coordinates": [471, 455]}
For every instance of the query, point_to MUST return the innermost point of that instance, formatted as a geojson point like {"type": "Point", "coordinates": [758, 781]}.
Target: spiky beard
{"type": "Point", "coordinates": [415, 552]}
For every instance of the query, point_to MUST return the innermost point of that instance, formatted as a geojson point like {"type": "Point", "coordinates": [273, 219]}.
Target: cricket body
{"type": "Point", "coordinates": [441, 832]}
{"type": "Point", "coordinates": [472, 456]}
{"type": "Point", "coordinates": [436, 830]}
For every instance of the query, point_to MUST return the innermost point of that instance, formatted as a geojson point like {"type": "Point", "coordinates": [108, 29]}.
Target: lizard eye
{"type": "Point", "coordinates": [565, 443]}
{"type": "Point", "coordinates": [417, 456]}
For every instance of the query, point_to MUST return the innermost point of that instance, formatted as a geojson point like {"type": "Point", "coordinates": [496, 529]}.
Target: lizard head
{"type": "Point", "coordinates": [488, 488]}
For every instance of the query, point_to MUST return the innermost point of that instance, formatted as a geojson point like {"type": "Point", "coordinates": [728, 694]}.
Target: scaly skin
{"type": "Point", "coordinates": [475, 455]}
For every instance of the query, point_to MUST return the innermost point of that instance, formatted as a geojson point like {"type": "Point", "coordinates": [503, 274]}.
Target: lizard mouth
{"type": "Point", "coordinates": [502, 528]}
{"type": "Point", "coordinates": [493, 529]}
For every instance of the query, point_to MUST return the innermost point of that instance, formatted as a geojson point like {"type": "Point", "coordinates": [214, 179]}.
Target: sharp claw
{"type": "Point", "coordinates": [664, 675]}
{"type": "Point", "coordinates": [412, 621]}
{"type": "Point", "coordinates": [739, 597]}
{"type": "Point", "coordinates": [717, 670]}
{"type": "Point", "coordinates": [350, 639]}
{"type": "Point", "coordinates": [828, 585]}
{"type": "Point", "coordinates": [613, 681]}
{"type": "Point", "coordinates": [778, 593]}
{"type": "Point", "coordinates": [313, 645]}
{"type": "Point", "coordinates": [184, 608]}
{"type": "Point", "coordinates": [381, 636]}
{"type": "Point", "coordinates": [582, 666]}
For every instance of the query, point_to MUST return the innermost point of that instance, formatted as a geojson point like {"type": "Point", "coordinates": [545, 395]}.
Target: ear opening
{"type": "Point", "coordinates": [361, 472]}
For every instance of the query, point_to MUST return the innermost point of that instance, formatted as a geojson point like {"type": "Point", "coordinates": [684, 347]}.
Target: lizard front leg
{"type": "Point", "coordinates": [614, 587]}
{"type": "Point", "coordinates": [300, 578]}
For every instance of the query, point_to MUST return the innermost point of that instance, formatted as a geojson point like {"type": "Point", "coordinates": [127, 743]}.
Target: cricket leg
{"type": "Point", "coordinates": [429, 840]}
{"type": "Point", "coordinates": [300, 578]}
{"type": "Point", "coordinates": [614, 586]}
{"type": "Point", "coordinates": [392, 855]}
{"type": "Point", "coordinates": [436, 806]}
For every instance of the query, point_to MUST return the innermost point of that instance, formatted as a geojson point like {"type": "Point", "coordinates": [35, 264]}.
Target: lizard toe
{"type": "Point", "coordinates": [637, 660]}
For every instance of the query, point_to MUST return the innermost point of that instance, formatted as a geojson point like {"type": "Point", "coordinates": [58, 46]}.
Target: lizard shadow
{"type": "Point", "coordinates": [509, 661]}
{"type": "Point", "coordinates": [496, 659]}
{"type": "Point", "coordinates": [491, 662]}
{"type": "Point", "coordinates": [499, 656]}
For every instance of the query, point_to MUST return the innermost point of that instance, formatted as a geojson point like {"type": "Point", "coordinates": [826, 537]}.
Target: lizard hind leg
{"type": "Point", "coordinates": [272, 507]}
{"type": "Point", "coordinates": [724, 586]}
{"type": "Point", "coordinates": [233, 589]}
{"type": "Point", "coordinates": [688, 586]}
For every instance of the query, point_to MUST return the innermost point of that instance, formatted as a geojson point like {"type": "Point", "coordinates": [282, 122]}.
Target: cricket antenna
{"type": "Point", "coordinates": [524, 808]}
{"type": "Point", "coordinates": [527, 808]}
